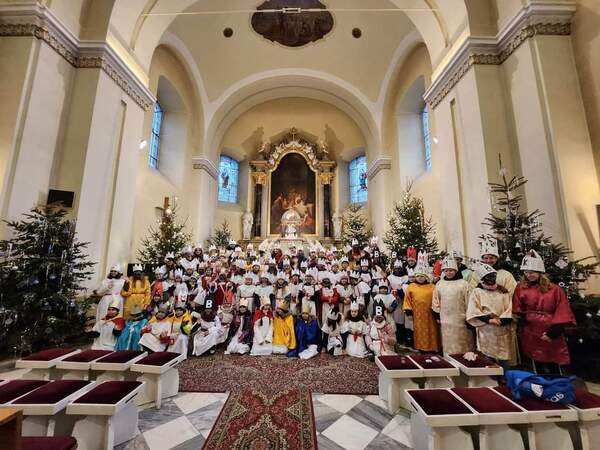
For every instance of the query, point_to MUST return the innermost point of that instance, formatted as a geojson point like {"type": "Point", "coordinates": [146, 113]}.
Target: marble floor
{"type": "Point", "coordinates": [342, 421]}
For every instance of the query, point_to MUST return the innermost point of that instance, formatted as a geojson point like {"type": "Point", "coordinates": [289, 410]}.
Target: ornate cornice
{"type": "Point", "coordinates": [540, 18]}
{"type": "Point", "coordinates": [200, 162]}
{"type": "Point", "coordinates": [35, 20]}
{"type": "Point", "coordinates": [381, 163]}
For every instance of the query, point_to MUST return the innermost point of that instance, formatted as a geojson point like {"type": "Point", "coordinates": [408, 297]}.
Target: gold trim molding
{"type": "Point", "coordinates": [537, 19]}
{"type": "Point", "coordinates": [37, 21]}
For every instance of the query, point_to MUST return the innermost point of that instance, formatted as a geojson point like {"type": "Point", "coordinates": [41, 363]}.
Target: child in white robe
{"type": "Point", "coordinates": [262, 343]}
{"type": "Point", "coordinates": [109, 328]}
{"type": "Point", "coordinates": [355, 329]}
{"type": "Point", "coordinates": [156, 335]}
{"type": "Point", "coordinates": [381, 337]}
{"type": "Point", "coordinates": [180, 329]}
{"type": "Point", "coordinates": [241, 327]}
{"type": "Point", "coordinates": [207, 330]}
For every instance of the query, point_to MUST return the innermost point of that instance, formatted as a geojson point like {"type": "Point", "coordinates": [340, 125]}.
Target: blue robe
{"type": "Point", "coordinates": [306, 334]}
{"type": "Point", "coordinates": [130, 337]}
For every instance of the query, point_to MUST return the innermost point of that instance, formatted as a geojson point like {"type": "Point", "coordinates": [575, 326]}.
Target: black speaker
{"type": "Point", "coordinates": [64, 197]}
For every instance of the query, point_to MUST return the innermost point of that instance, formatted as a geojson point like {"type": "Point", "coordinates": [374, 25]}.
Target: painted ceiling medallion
{"type": "Point", "coordinates": [291, 25]}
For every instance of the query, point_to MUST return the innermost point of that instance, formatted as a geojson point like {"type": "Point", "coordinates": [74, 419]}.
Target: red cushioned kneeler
{"type": "Point", "coordinates": [52, 392]}
{"type": "Point", "coordinates": [421, 358]}
{"type": "Point", "coordinates": [396, 362]}
{"type": "Point", "coordinates": [586, 400]}
{"type": "Point", "coordinates": [530, 403]}
{"type": "Point", "coordinates": [15, 388]}
{"type": "Point", "coordinates": [48, 355]}
{"type": "Point", "coordinates": [87, 355]}
{"type": "Point", "coordinates": [109, 392]}
{"type": "Point", "coordinates": [158, 358]}
{"type": "Point", "coordinates": [485, 400]}
{"type": "Point", "coordinates": [48, 443]}
{"type": "Point", "coordinates": [439, 402]}
{"type": "Point", "coordinates": [480, 362]}
{"type": "Point", "coordinates": [120, 357]}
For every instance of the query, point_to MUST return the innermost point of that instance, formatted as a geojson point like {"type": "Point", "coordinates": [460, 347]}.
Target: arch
{"type": "Point", "coordinates": [290, 83]}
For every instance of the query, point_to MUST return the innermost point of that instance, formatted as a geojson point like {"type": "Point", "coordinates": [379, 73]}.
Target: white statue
{"type": "Point", "coordinates": [247, 221]}
{"type": "Point", "coordinates": [337, 225]}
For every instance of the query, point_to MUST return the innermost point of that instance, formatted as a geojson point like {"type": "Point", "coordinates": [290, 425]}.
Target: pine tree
{"type": "Point", "coordinates": [519, 231]}
{"type": "Point", "coordinates": [221, 237]}
{"type": "Point", "coordinates": [41, 276]}
{"type": "Point", "coordinates": [170, 237]}
{"type": "Point", "coordinates": [355, 225]}
{"type": "Point", "coordinates": [408, 226]}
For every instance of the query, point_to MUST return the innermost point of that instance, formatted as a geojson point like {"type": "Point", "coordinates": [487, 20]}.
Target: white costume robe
{"type": "Point", "coordinates": [450, 299]}
{"type": "Point", "coordinates": [334, 340]}
{"type": "Point", "coordinates": [308, 299]}
{"type": "Point", "coordinates": [346, 294]}
{"type": "Point", "coordinates": [202, 343]}
{"type": "Point", "coordinates": [179, 338]}
{"type": "Point", "coordinates": [108, 288]}
{"type": "Point", "coordinates": [388, 300]}
{"type": "Point", "coordinates": [396, 283]}
{"type": "Point", "coordinates": [381, 339]}
{"type": "Point", "coordinates": [235, 346]}
{"type": "Point", "coordinates": [246, 292]}
{"type": "Point", "coordinates": [262, 343]}
{"type": "Point", "coordinates": [152, 338]}
{"type": "Point", "coordinates": [355, 343]}
{"type": "Point", "coordinates": [294, 302]}
{"type": "Point", "coordinates": [106, 340]}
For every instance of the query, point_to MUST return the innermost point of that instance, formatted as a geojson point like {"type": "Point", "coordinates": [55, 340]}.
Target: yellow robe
{"type": "Point", "coordinates": [137, 294]}
{"type": "Point", "coordinates": [450, 299]}
{"type": "Point", "coordinates": [418, 300]}
{"type": "Point", "coordinates": [503, 278]}
{"type": "Point", "coordinates": [283, 331]}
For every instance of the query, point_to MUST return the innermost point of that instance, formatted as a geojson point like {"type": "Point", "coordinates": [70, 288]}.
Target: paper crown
{"type": "Point", "coordinates": [170, 255]}
{"type": "Point", "coordinates": [306, 308]}
{"type": "Point", "coordinates": [180, 303]}
{"type": "Point", "coordinates": [354, 242]}
{"type": "Point", "coordinates": [188, 250]}
{"type": "Point", "coordinates": [295, 272]}
{"type": "Point", "coordinates": [354, 274]}
{"type": "Point", "coordinates": [411, 253]}
{"type": "Point", "coordinates": [244, 302]}
{"type": "Point", "coordinates": [533, 262]}
{"type": "Point", "coordinates": [178, 273]}
{"type": "Point", "coordinates": [197, 246]}
{"type": "Point", "coordinates": [422, 267]}
{"type": "Point", "coordinates": [455, 254]}
{"type": "Point", "coordinates": [333, 314]}
{"type": "Point", "coordinates": [364, 262]}
{"type": "Point", "coordinates": [397, 264]}
{"type": "Point", "coordinates": [115, 302]}
{"type": "Point", "coordinates": [489, 246]}
{"type": "Point", "coordinates": [138, 268]}
{"type": "Point", "coordinates": [374, 242]}
{"type": "Point", "coordinates": [354, 306]}
{"type": "Point", "coordinates": [449, 263]}
{"type": "Point", "coordinates": [383, 285]}
{"type": "Point", "coordinates": [482, 269]}
{"type": "Point", "coordinates": [265, 301]}
{"type": "Point", "coordinates": [116, 268]}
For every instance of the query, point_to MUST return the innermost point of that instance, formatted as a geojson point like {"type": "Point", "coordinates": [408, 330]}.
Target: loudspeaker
{"type": "Point", "coordinates": [64, 197]}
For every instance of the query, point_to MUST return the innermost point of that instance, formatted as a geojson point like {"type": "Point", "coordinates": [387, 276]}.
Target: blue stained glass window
{"type": "Point", "coordinates": [157, 119]}
{"type": "Point", "coordinates": [229, 170]}
{"type": "Point", "coordinates": [426, 138]}
{"type": "Point", "coordinates": [358, 179]}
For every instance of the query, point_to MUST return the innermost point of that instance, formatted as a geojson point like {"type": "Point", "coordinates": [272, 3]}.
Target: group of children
{"type": "Point", "coordinates": [341, 302]}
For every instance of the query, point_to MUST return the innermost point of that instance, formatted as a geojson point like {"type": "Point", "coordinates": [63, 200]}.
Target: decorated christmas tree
{"type": "Point", "coordinates": [221, 236]}
{"type": "Point", "coordinates": [408, 226]}
{"type": "Point", "coordinates": [518, 231]}
{"type": "Point", "coordinates": [169, 237]}
{"type": "Point", "coordinates": [41, 274]}
{"type": "Point", "coordinates": [355, 225]}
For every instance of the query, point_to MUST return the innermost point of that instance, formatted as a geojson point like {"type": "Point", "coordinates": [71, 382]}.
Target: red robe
{"type": "Point", "coordinates": [541, 310]}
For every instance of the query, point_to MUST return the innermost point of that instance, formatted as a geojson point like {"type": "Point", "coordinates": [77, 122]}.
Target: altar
{"type": "Point", "coordinates": [292, 191]}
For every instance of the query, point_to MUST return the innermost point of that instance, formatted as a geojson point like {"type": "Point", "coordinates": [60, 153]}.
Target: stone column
{"type": "Point", "coordinates": [205, 193]}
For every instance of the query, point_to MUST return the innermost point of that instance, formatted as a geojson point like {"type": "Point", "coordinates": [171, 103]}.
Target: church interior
{"type": "Point", "coordinates": [213, 155]}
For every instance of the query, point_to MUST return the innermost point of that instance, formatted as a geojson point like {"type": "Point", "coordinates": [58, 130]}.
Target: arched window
{"type": "Point", "coordinates": [157, 119]}
{"type": "Point", "coordinates": [357, 173]}
{"type": "Point", "coordinates": [229, 169]}
{"type": "Point", "coordinates": [426, 137]}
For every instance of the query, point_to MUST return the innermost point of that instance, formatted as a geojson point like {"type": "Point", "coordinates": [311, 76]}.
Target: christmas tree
{"type": "Point", "coordinates": [170, 237]}
{"type": "Point", "coordinates": [221, 237]}
{"type": "Point", "coordinates": [409, 227]}
{"type": "Point", "coordinates": [355, 225]}
{"type": "Point", "coordinates": [519, 231]}
{"type": "Point", "coordinates": [41, 275]}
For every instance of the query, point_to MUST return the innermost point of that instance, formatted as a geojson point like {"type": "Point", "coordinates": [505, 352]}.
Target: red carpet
{"type": "Point", "coordinates": [257, 420]}
{"type": "Point", "coordinates": [322, 374]}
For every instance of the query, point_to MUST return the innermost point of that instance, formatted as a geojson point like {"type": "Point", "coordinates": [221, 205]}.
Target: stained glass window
{"type": "Point", "coordinates": [157, 119]}
{"type": "Point", "coordinates": [358, 179]}
{"type": "Point", "coordinates": [426, 138]}
{"type": "Point", "coordinates": [228, 179]}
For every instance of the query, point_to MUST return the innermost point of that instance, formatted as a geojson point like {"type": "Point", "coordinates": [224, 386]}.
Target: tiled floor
{"type": "Point", "coordinates": [342, 421]}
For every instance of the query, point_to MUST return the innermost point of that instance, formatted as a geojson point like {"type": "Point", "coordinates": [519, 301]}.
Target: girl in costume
{"type": "Point", "coordinates": [207, 330]}
{"type": "Point", "coordinates": [263, 329]}
{"type": "Point", "coordinates": [355, 329]}
{"type": "Point", "coordinates": [109, 328]}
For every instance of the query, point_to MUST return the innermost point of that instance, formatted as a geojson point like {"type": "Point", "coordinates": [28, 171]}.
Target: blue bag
{"type": "Point", "coordinates": [555, 390]}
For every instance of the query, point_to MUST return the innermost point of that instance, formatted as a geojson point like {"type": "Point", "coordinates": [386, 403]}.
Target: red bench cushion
{"type": "Point", "coordinates": [49, 355]}
{"type": "Point", "coordinates": [586, 400]}
{"type": "Point", "coordinates": [15, 388]}
{"type": "Point", "coordinates": [486, 400]}
{"type": "Point", "coordinates": [158, 358]}
{"type": "Point", "coordinates": [87, 355]}
{"type": "Point", "coordinates": [437, 402]}
{"type": "Point", "coordinates": [109, 392]}
{"type": "Point", "coordinates": [120, 357]}
{"type": "Point", "coordinates": [480, 362]}
{"type": "Point", "coordinates": [52, 392]}
{"type": "Point", "coordinates": [48, 443]}
{"type": "Point", "coordinates": [530, 403]}
{"type": "Point", "coordinates": [397, 362]}
{"type": "Point", "coordinates": [437, 362]}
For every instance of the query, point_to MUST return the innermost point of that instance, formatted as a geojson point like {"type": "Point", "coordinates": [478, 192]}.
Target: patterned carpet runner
{"type": "Point", "coordinates": [261, 420]}
{"type": "Point", "coordinates": [323, 374]}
